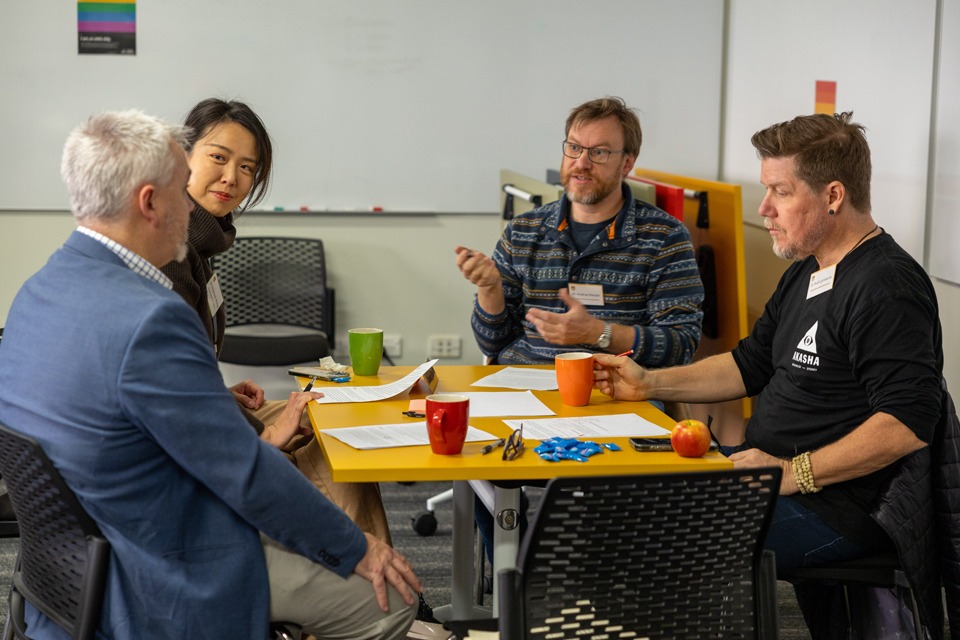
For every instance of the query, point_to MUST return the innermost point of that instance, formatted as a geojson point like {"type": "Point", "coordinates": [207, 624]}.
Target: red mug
{"type": "Point", "coordinates": [447, 417]}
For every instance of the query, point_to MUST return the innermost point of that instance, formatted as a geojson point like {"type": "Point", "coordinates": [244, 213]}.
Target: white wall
{"type": "Point", "coordinates": [943, 230]}
{"type": "Point", "coordinates": [26, 241]}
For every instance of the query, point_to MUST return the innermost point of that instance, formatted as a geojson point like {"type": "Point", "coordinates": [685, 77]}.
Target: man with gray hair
{"type": "Point", "coordinates": [213, 532]}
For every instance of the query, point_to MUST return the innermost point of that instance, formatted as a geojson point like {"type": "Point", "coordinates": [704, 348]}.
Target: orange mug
{"type": "Point", "coordinates": [447, 417]}
{"type": "Point", "coordinates": [574, 377]}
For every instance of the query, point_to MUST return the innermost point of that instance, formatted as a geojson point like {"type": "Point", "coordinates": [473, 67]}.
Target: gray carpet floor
{"type": "Point", "coordinates": [431, 555]}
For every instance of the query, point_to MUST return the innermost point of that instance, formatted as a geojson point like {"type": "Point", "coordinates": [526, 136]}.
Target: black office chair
{"type": "Point", "coordinates": [885, 570]}
{"type": "Point", "coordinates": [875, 571]}
{"type": "Point", "coordinates": [9, 527]}
{"type": "Point", "coordinates": [8, 519]}
{"type": "Point", "coordinates": [62, 566]}
{"type": "Point", "coordinates": [279, 308]}
{"type": "Point", "coordinates": [662, 556]}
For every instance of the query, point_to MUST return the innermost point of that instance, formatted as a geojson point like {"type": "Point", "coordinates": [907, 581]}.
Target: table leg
{"type": "Point", "coordinates": [506, 535]}
{"type": "Point", "coordinates": [462, 579]}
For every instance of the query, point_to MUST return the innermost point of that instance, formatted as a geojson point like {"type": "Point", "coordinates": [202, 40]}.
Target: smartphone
{"type": "Point", "coordinates": [660, 444]}
{"type": "Point", "coordinates": [651, 444]}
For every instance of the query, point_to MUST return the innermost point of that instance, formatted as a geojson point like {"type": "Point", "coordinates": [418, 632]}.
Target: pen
{"type": "Point", "coordinates": [629, 352]}
{"type": "Point", "coordinates": [493, 445]}
{"type": "Point", "coordinates": [414, 414]}
{"type": "Point", "coordinates": [310, 384]}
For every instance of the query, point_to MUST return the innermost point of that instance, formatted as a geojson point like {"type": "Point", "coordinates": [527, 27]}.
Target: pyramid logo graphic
{"type": "Point", "coordinates": [809, 341]}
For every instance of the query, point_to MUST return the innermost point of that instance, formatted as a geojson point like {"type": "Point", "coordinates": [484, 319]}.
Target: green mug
{"type": "Point", "coordinates": [366, 350]}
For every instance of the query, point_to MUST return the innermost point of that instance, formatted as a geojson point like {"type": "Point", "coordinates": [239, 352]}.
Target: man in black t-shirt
{"type": "Point", "coordinates": [845, 363]}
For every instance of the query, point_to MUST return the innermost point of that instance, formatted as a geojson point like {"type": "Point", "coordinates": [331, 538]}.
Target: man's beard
{"type": "Point", "coordinates": [814, 238]}
{"type": "Point", "coordinates": [592, 195]}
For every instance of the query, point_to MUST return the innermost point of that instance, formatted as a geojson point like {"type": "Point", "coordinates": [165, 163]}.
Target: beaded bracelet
{"type": "Point", "coordinates": [803, 473]}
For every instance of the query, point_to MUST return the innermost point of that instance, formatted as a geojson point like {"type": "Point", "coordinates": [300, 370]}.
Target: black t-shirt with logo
{"type": "Point", "coordinates": [820, 366]}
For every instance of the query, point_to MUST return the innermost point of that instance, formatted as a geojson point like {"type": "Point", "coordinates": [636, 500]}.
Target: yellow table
{"type": "Point", "coordinates": [421, 464]}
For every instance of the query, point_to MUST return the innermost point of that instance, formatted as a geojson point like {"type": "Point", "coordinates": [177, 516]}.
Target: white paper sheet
{"type": "Point", "coordinates": [621, 425]}
{"type": "Point", "coordinates": [491, 404]}
{"type": "Point", "coordinates": [518, 378]}
{"type": "Point", "coordinates": [404, 434]}
{"type": "Point", "coordinates": [333, 395]}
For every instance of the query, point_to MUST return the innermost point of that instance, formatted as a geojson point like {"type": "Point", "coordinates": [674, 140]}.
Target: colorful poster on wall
{"type": "Point", "coordinates": [107, 26]}
{"type": "Point", "coordinates": [826, 100]}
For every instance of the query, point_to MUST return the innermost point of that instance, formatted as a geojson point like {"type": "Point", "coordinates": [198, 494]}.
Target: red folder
{"type": "Point", "coordinates": [669, 196]}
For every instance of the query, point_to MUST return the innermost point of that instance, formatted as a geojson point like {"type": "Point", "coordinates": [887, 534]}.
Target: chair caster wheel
{"type": "Point", "coordinates": [424, 523]}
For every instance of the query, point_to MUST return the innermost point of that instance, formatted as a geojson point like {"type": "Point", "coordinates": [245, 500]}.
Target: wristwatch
{"type": "Point", "coordinates": [603, 341]}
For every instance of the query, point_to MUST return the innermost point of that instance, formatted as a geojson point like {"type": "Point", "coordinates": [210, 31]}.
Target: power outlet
{"type": "Point", "coordinates": [447, 346]}
{"type": "Point", "coordinates": [393, 346]}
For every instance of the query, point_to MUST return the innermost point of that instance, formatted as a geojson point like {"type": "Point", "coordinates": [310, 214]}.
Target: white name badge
{"type": "Point", "coordinates": [589, 295]}
{"type": "Point", "coordinates": [821, 281]}
{"type": "Point", "coordinates": [214, 295]}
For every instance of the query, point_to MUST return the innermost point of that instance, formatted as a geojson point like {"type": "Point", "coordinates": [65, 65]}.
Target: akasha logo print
{"type": "Point", "coordinates": [805, 356]}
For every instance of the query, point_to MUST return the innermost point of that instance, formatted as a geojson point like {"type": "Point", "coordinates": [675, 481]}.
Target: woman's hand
{"type": "Point", "coordinates": [287, 426]}
{"type": "Point", "coordinates": [248, 394]}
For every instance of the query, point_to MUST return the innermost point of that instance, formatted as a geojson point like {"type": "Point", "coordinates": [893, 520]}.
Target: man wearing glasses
{"type": "Point", "coordinates": [596, 270]}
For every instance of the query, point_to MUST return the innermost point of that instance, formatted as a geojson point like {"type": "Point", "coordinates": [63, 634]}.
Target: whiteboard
{"type": "Point", "coordinates": [410, 106]}
{"type": "Point", "coordinates": [944, 259]}
{"type": "Point", "coordinates": [764, 87]}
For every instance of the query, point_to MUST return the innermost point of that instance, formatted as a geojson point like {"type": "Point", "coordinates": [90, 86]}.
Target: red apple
{"type": "Point", "coordinates": [690, 438]}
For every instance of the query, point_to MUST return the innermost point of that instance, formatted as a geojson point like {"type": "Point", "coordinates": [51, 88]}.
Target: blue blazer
{"type": "Point", "coordinates": [115, 377]}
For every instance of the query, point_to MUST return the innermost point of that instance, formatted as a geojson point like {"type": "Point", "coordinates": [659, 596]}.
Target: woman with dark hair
{"type": "Point", "coordinates": [230, 161]}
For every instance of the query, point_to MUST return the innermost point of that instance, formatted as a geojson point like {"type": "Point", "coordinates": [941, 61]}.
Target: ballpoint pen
{"type": "Point", "coordinates": [629, 352]}
{"type": "Point", "coordinates": [493, 445]}
{"type": "Point", "coordinates": [310, 384]}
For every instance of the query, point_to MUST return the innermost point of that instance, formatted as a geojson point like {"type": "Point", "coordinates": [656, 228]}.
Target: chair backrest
{"type": "Point", "coordinates": [283, 281]}
{"type": "Point", "coordinates": [8, 524]}
{"type": "Point", "coordinates": [63, 558]}
{"type": "Point", "coordinates": [664, 556]}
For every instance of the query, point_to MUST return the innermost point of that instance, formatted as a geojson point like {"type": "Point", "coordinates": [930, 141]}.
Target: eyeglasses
{"type": "Point", "coordinates": [514, 446]}
{"type": "Point", "coordinates": [596, 155]}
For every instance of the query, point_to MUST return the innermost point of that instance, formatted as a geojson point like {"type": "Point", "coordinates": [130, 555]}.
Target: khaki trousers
{"type": "Point", "coordinates": [327, 606]}
{"type": "Point", "coordinates": [361, 501]}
